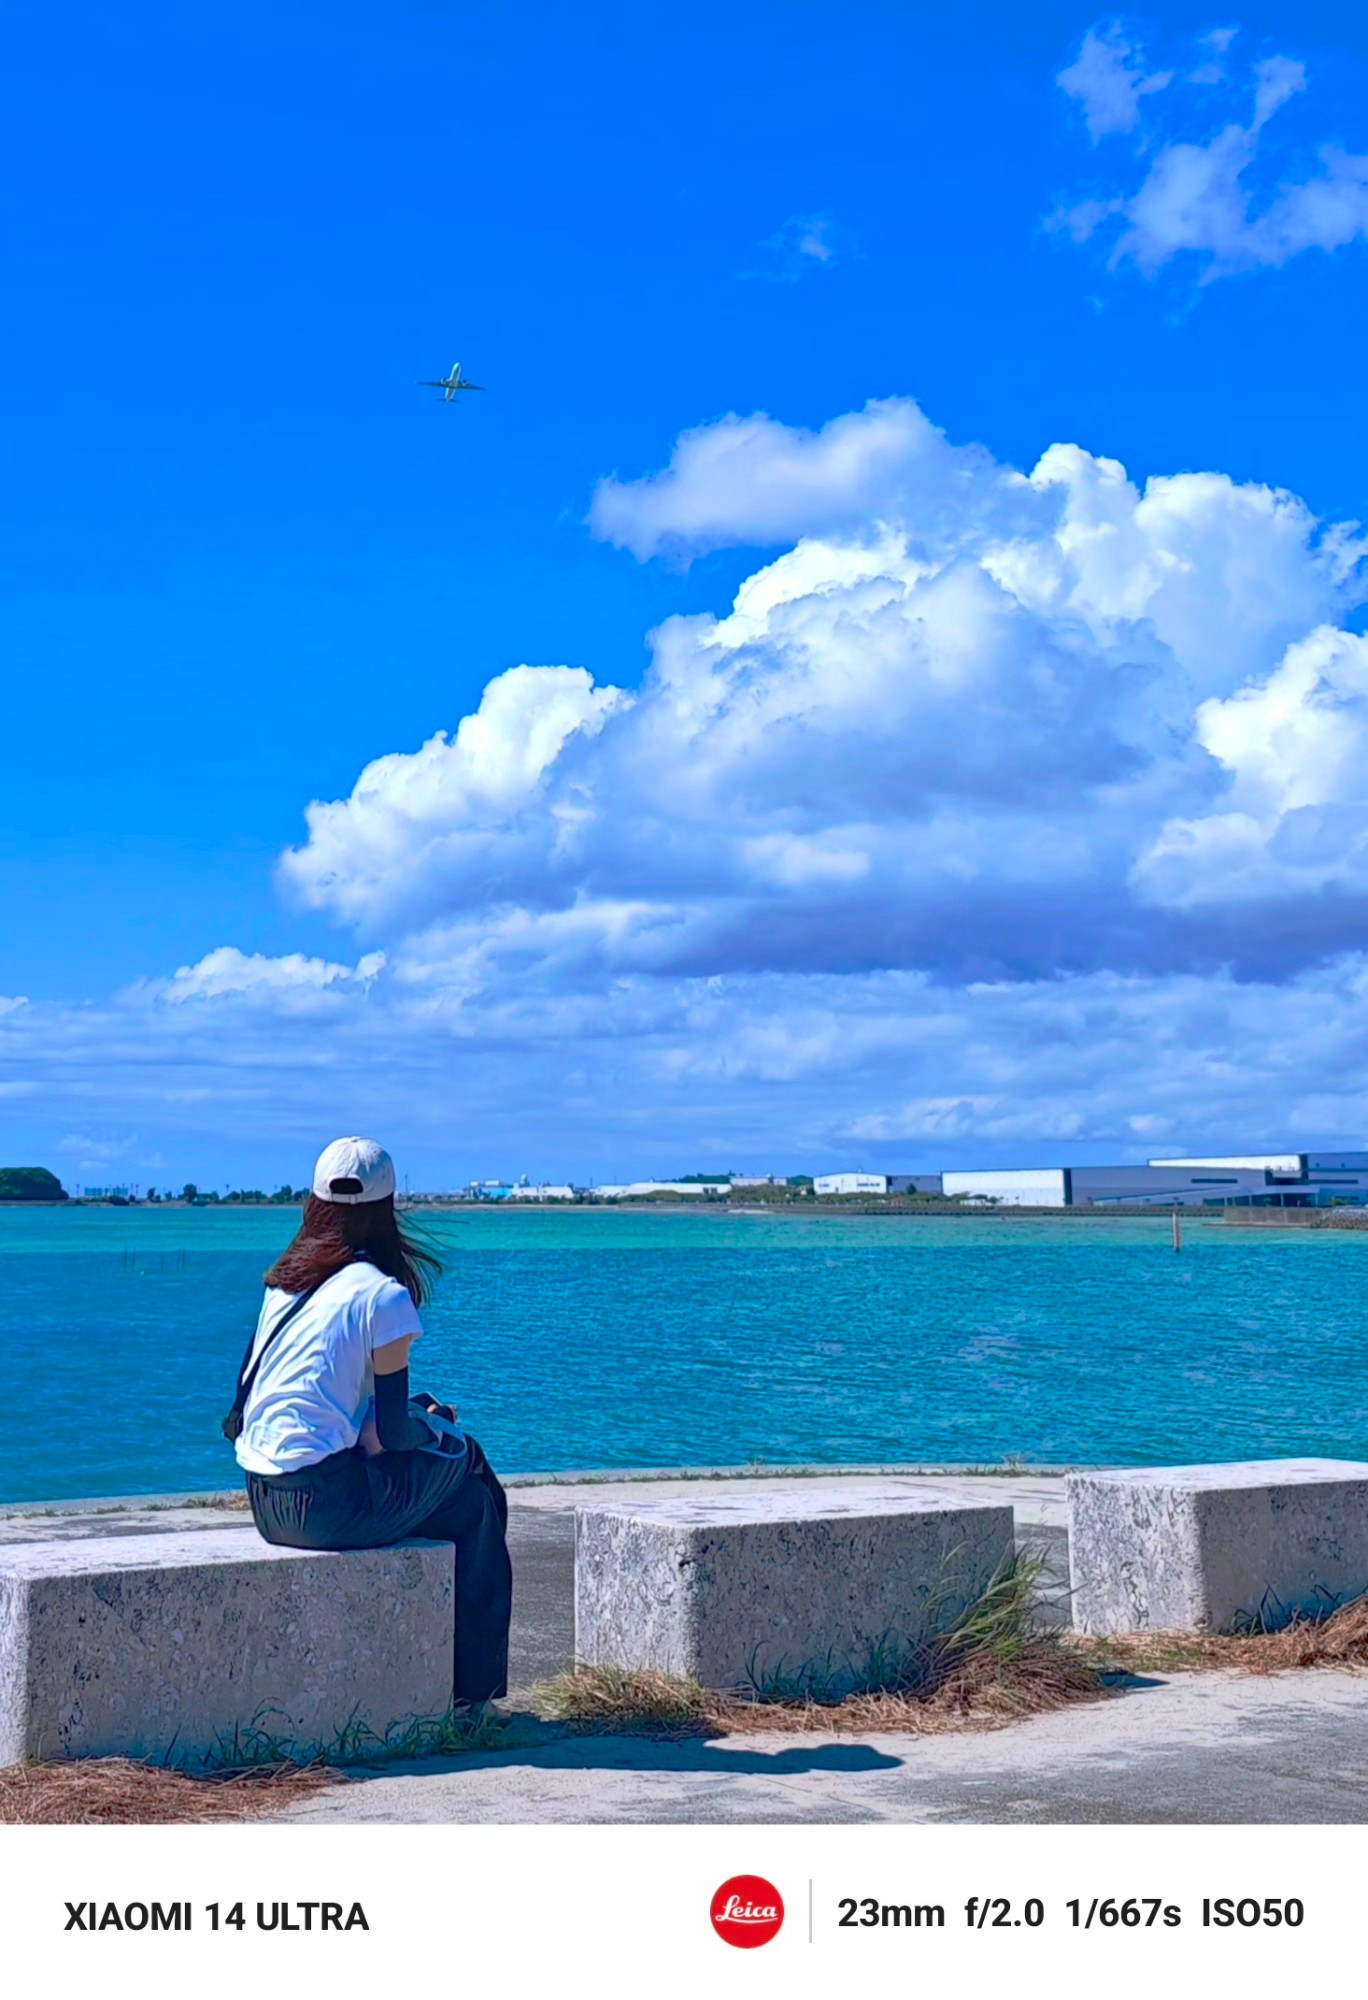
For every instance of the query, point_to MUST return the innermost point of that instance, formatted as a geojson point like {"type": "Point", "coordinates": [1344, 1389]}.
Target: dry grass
{"type": "Point", "coordinates": [1151, 1652]}
{"type": "Point", "coordinates": [993, 1666]}
{"type": "Point", "coordinates": [623, 1698]}
{"type": "Point", "coordinates": [1339, 1639]}
{"type": "Point", "coordinates": [983, 1682]}
{"type": "Point", "coordinates": [978, 1694]}
{"type": "Point", "coordinates": [119, 1791]}
{"type": "Point", "coordinates": [250, 1772]}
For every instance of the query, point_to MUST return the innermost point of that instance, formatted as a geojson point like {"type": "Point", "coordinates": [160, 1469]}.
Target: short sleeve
{"type": "Point", "coordinates": [391, 1315]}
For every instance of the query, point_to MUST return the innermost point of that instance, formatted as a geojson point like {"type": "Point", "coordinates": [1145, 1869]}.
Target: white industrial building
{"type": "Point", "coordinates": [625, 1190]}
{"type": "Point", "coordinates": [850, 1184]}
{"type": "Point", "coordinates": [1012, 1187]}
{"type": "Point", "coordinates": [1247, 1180]}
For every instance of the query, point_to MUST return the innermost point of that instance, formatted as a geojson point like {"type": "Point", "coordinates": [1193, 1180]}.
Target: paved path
{"type": "Point", "coordinates": [1204, 1749]}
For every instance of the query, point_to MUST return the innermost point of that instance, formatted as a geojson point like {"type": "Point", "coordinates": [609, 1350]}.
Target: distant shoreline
{"type": "Point", "coordinates": [1346, 1218]}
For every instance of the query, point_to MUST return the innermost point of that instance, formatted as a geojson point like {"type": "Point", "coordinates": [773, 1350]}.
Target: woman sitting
{"type": "Point", "coordinates": [335, 1457]}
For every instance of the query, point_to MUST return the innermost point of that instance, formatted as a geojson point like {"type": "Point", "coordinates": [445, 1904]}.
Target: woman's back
{"type": "Point", "coordinates": [311, 1392]}
{"type": "Point", "coordinates": [341, 1304]}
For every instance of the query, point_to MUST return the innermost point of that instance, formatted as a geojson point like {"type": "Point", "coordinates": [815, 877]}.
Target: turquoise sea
{"type": "Point", "coordinates": [600, 1338]}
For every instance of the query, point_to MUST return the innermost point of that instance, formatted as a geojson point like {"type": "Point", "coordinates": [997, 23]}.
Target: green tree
{"type": "Point", "coordinates": [30, 1184]}
{"type": "Point", "coordinates": [189, 1192]}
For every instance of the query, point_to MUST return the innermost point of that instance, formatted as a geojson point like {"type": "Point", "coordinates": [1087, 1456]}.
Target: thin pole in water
{"type": "Point", "coordinates": [1177, 1231]}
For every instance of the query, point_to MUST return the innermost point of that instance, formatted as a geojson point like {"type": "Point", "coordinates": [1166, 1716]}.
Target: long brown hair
{"type": "Point", "coordinates": [334, 1233]}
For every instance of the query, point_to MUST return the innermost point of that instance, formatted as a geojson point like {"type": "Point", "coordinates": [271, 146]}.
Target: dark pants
{"type": "Point", "coordinates": [349, 1501]}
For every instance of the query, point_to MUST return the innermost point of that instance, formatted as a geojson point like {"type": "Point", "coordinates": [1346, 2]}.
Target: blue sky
{"type": "Point", "coordinates": [771, 912]}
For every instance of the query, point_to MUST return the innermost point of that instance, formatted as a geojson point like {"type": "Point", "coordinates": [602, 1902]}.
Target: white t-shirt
{"type": "Point", "coordinates": [313, 1389]}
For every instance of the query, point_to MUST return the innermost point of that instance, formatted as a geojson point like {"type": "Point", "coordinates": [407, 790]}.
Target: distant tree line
{"type": "Point", "coordinates": [209, 1196]}
{"type": "Point", "coordinates": [30, 1184]}
{"type": "Point", "coordinates": [38, 1184]}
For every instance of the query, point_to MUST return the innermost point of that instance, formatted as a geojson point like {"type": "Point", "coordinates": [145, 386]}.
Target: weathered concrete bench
{"type": "Point", "coordinates": [163, 1645]}
{"type": "Point", "coordinates": [761, 1585]}
{"type": "Point", "coordinates": [1209, 1548]}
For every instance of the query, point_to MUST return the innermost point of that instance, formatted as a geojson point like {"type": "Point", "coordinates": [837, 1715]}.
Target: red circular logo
{"type": "Point", "coordinates": [747, 1911]}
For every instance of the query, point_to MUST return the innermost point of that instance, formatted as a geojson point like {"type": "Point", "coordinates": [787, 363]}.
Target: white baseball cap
{"type": "Point", "coordinates": [352, 1170]}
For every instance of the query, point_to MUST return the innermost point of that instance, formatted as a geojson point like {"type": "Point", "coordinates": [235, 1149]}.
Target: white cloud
{"type": "Point", "coordinates": [976, 729]}
{"type": "Point", "coordinates": [1213, 191]}
{"type": "Point", "coordinates": [1108, 78]}
{"type": "Point", "coordinates": [804, 243]}
{"type": "Point", "coordinates": [1212, 50]}
{"type": "Point", "coordinates": [789, 1069]}
{"type": "Point", "coordinates": [97, 1152]}
{"type": "Point", "coordinates": [431, 810]}
{"type": "Point", "coordinates": [751, 480]}
{"type": "Point", "coordinates": [1295, 817]}
{"type": "Point", "coordinates": [228, 972]}
{"type": "Point", "coordinates": [1226, 574]}
{"type": "Point", "coordinates": [999, 808]}
{"type": "Point", "coordinates": [813, 240]}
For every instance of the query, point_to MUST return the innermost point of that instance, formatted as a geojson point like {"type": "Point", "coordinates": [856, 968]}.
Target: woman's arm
{"type": "Point", "coordinates": [393, 1356]}
{"type": "Point", "coordinates": [396, 1429]}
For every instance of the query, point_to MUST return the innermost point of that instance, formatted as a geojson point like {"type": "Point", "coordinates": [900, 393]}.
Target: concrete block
{"type": "Point", "coordinates": [157, 1645]}
{"type": "Point", "coordinates": [721, 1587]}
{"type": "Point", "coordinates": [1207, 1548]}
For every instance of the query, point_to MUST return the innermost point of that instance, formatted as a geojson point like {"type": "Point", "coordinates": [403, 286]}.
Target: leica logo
{"type": "Point", "coordinates": [737, 1912]}
{"type": "Point", "coordinates": [747, 1911]}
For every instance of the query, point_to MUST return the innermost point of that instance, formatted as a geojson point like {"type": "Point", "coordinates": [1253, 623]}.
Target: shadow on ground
{"type": "Point", "coordinates": [551, 1747]}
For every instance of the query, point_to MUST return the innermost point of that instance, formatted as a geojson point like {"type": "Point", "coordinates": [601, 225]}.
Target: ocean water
{"type": "Point", "coordinates": [600, 1339]}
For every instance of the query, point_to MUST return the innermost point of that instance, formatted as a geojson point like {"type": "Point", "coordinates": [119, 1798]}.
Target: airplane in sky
{"type": "Point", "coordinates": [451, 383]}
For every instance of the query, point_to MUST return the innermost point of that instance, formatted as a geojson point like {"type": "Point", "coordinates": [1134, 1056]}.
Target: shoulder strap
{"type": "Point", "coordinates": [247, 1374]}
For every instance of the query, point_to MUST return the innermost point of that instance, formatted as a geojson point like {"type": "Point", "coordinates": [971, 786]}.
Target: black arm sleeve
{"type": "Point", "coordinates": [397, 1430]}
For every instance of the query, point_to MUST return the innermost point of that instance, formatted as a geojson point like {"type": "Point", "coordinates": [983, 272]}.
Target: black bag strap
{"type": "Point", "coordinates": [247, 1374]}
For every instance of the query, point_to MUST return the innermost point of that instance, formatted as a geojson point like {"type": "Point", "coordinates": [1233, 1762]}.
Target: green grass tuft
{"type": "Point", "coordinates": [256, 1743]}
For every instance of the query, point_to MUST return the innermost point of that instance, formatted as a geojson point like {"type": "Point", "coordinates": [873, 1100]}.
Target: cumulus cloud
{"type": "Point", "coordinates": [1295, 817]}
{"type": "Point", "coordinates": [434, 810]}
{"type": "Point", "coordinates": [1208, 185]}
{"type": "Point", "coordinates": [751, 481]}
{"type": "Point", "coordinates": [1000, 807]}
{"type": "Point", "coordinates": [974, 721]}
